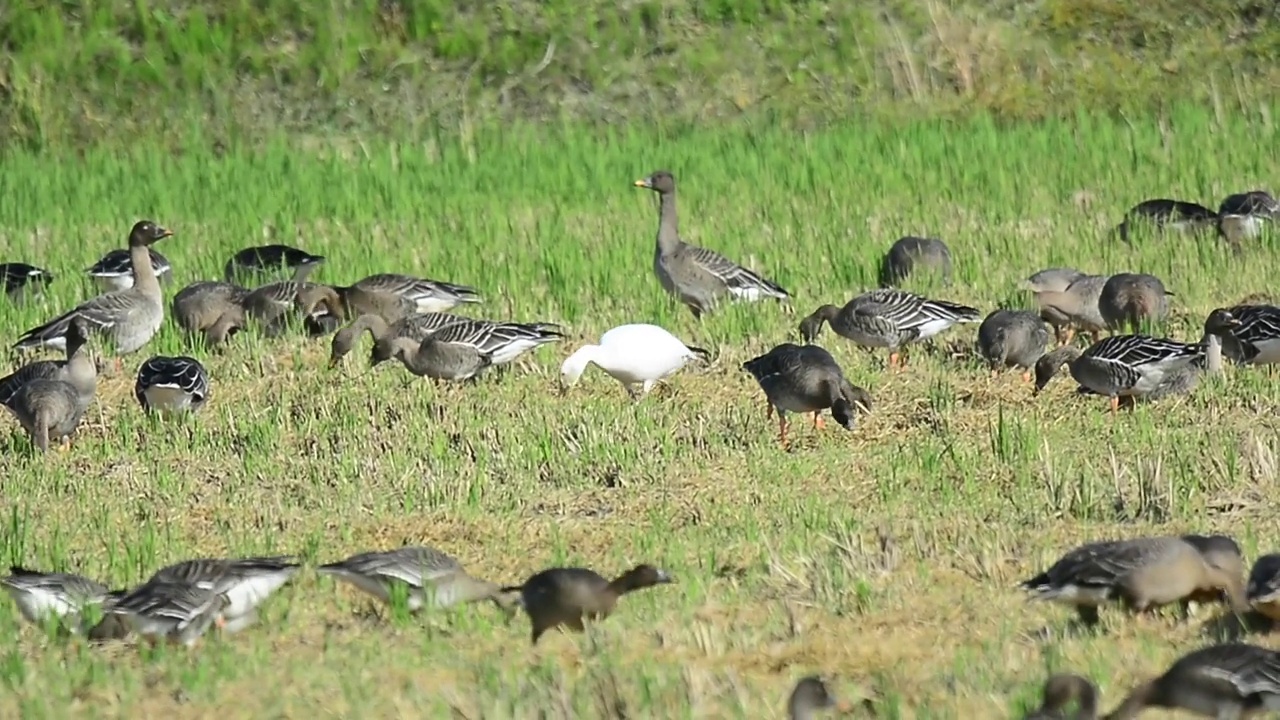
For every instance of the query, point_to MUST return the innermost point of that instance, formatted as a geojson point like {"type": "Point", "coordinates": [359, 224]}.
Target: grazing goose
{"type": "Point", "coordinates": [810, 697]}
{"type": "Point", "coordinates": [127, 318]}
{"type": "Point", "coordinates": [273, 305]}
{"type": "Point", "coordinates": [199, 308]}
{"type": "Point", "coordinates": [1012, 338]}
{"type": "Point", "coordinates": [1073, 308]}
{"type": "Point", "coordinates": [1143, 573]}
{"type": "Point", "coordinates": [414, 327]}
{"type": "Point", "coordinates": [1231, 680]}
{"type": "Point", "coordinates": [245, 583]}
{"type": "Point", "coordinates": [910, 254]}
{"type": "Point", "coordinates": [1264, 586]}
{"type": "Point", "coordinates": [567, 596]}
{"type": "Point", "coordinates": [446, 354]}
{"type": "Point", "coordinates": [887, 318]}
{"type": "Point", "coordinates": [698, 277]}
{"type": "Point", "coordinates": [114, 272]}
{"type": "Point", "coordinates": [1129, 299]}
{"type": "Point", "coordinates": [62, 596]}
{"type": "Point", "coordinates": [1051, 280]}
{"type": "Point", "coordinates": [1060, 691]}
{"type": "Point", "coordinates": [1133, 366]}
{"type": "Point", "coordinates": [78, 369]}
{"type": "Point", "coordinates": [180, 612]}
{"type": "Point", "coordinates": [22, 280]}
{"type": "Point", "coordinates": [424, 296]}
{"type": "Point", "coordinates": [1164, 214]}
{"type": "Point", "coordinates": [1242, 215]}
{"type": "Point", "coordinates": [170, 385]}
{"type": "Point", "coordinates": [268, 261]}
{"type": "Point", "coordinates": [1255, 340]}
{"type": "Point", "coordinates": [806, 379]}
{"type": "Point", "coordinates": [432, 578]}
{"type": "Point", "coordinates": [47, 409]}
{"type": "Point", "coordinates": [632, 354]}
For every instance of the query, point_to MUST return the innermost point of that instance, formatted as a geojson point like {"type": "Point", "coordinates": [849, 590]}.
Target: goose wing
{"type": "Point", "coordinates": [1099, 564]}
{"type": "Point", "coordinates": [1251, 669]}
{"type": "Point", "coordinates": [1135, 351]}
{"type": "Point", "coordinates": [418, 289]}
{"type": "Point", "coordinates": [738, 279]}
{"type": "Point", "coordinates": [99, 314]}
{"type": "Point", "coordinates": [412, 565]}
{"type": "Point", "coordinates": [184, 373]}
{"type": "Point", "coordinates": [1264, 578]}
{"type": "Point", "coordinates": [38, 370]}
{"type": "Point", "coordinates": [1258, 323]}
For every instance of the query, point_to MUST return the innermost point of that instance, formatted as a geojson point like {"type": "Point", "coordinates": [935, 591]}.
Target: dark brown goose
{"type": "Point", "coordinates": [1128, 300]}
{"type": "Point", "coordinates": [568, 596]}
{"type": "Point", "coordinates": [1232, 680]}
{"type": "Point", "coordinates": [253, 265]}
{"type": "Point", "coordinates": [1012, 338]}
{"type": "Point", "coordinates": [911, 255]}
{"type": "Point", "coordinates": [806, 379]}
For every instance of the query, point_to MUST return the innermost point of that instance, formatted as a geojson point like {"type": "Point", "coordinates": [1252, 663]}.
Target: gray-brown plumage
{"type": "Point", "coordinates": [887, 318]}
{"type": "Point", "coordinates": [414, 327]}
{"type": "Point", "coordinates": [1163, 215]}
{"type": "Point", "coordinates": [211, 309]}
{"type": "Point", "coordinates": [806, 379]}
{"type": "Point", "coordinates": [78, 368]}
{"type": "Point", "coordinates": [413, 295]}
{"type": "Point", "coordinates": [1073, 308]}
{"type": "Point", "coordinates": [910, 255]}
{"type": "Point", "coordinates": [1127, 300]}
{"type": "Point", "coordinates": [443, 355]}
{"type": "Point", "coordinates": [115, 270]}
{"type": "Point", "coordinates": [1241, 216]}
{"type": "Point", "coordinates": [128, 319]}
{"type": "Point", "coordinates": [1143, 574]}
{"type": "Point", "coordinates": [67, 598]}
{"type": "Point", "coordinates": [1060, 691]}
{"type": "Point", "coordinates": [810, 697]}
{"type": "Point", "coordinates": [47, 409]}
{"type": "Point", "coordinates": [1227, 681]}
{"type": "Point", "coordinates": [274, 305]}
{"type": "Point", "coordinates": [567, 596]}
{"type": "Point", "coordinates": [1263, 590]}
{"type": "Point", "coordinates": [431, 578]}
{"type": "Point", "coordinates": [1012, 338]}
{"type": "Point", "coordinates": [698, 277]}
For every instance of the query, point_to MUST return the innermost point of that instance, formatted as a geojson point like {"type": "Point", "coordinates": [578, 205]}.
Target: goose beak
{"type": "Point", "coordinates": [163, 232]}
{"type": "Point", "coordinates": [644, 183]}
{"type": "Point", "coordinates": [665, 577]}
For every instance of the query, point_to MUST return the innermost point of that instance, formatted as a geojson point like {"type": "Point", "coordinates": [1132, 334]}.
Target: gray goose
{"type": "Point", "coordinates": [22, 280]}
{"type": "Point", "coordinates": [1074, 307]}
{"type": "Point", "coordinates": [1012, 338]}
{"type": "Point", "coordinates": [171, 610]}
{"type": "Point", "coordinates": [1143, 573]}
{"type": "Point", "coordinates": [1129, 299]}
{"type": "Point", "coordinates": [78, 368]}
{"type": "Point", "coordinates": [64, 597]}
{"type": "Point", "coordinates": [698, 277]}
{"type": "Point", "coordinates": [1230, 680]}
{"type": "Point", "coordinates": [210, 308]}
{"type": "Point", "coordinates": [265, 262]}
{"type": "Point", "coordinates": [1255, 340]}
{"type": "Point", "coordinates": [171, 385]}
{"type": "Point", "coordinates": [810, 696]}
{"type": "Point", "coordinates": [806, 379]}
{"type": "Point", "coordinates": [887, 318]}
{"type": "Point", "coordinates": [565, 597]}
{"type": "Point", "coordinates": [114, 271]}
{"type": "Point", "coordinates": [502, 342]}
{"type": "Point", "coordinates": [1263, 590]}
{"type": "Point", "coordinates": [244, 583]}
{"type": "Point", "coordinates": [126, 318]}
{"type": "Point", "coordinates": [444, 355]}
{"type": "Point", "coordinates": [414, 327]}
{"type": "Point", "coordinates": [910, 254]}
{"type": "Point", "coordinates": [422, 295]}
{"type": "Point", "coordinates": [1241, 216]}
{"type": "Point", "coordinates": [272, 306]}
{"type": "Point", "coordinates": [431, 577]}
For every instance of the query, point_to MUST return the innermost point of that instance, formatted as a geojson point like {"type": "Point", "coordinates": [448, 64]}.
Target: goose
{"type": "Point", "coordinates": [114, 271]}
{"type": "Point", "coordinates": [444, 355]}
{"type": "Point", "coordinates": [424, 296]}
{"type": "Point", "coordinates": [22, 280]}
{"type": "Point", "coordinates": [1143, 573]}
{"type": "Point", "coordinates": [503, 342]}
{"type": "Point", "coordinates": [1263, 590]}
{"type": "Point", "coordinates": [1012, 338]}
{"type": "Point", "coordinates": [47, 409]}
{"type": "Point", "coordinates": [1060, 691]}
{"type": "Point", "coordinates": [1129, 299]}
{"type": "Point", "coordinates": [1230, 680]}
{"type": "Point", "coordinates": [431, 577]}
{"type": "Point", "coordinates": [414, 327]}
{"type": "Point", "coordinates": [567, 596]}
{"type": "Point", "coordinates": [69, 599]}
{"type": "Point", "coordinates": [887, 318]}
{"type": "Point", "coordinates": [78, 369]}
{"type": "Point", "coordinates": [273, 305]}
{"type": "Point", "coordinates": [179, 612]}
{"type": "Point", "coordinates": [1055, 279]}
{"type": "Point", "coordinates": [266, 261]}
{"type": "Point", "coordinates": [698, 277]}
{"type": "Point", "coordinates": [1241, 215]}
{"type": "Point", "coordinates": [171, 385]}
{"type": "Point", "coordinates": [909, 254]}
{"type": "Point", "coordinates": [199, 308]}
{"type": "Point", "coordinates": [1133, 366]}
{"type": "Point", "coordinates": [632, 354]}
{"type": "Point", "coordinates": [806, 379]}
{"type": "Point", "coordinates": [1255, 340]}
{"type": "Point", "coordinates": [245, 583]}
{"type": "Point", "coordinates": [127, 318]}
{"type": "Point", "coordinates": [1165, 214]}
{"type": "Point", "coordinates": [1074, 307]}
{"type": "Point", "coordinates": [810, 696]}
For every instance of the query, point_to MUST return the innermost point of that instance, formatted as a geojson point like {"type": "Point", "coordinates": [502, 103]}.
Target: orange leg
{"type": "Point", "coordinates": [1026, 376]}
{"type": "Point", "coordinates": [1115, 404]}
{"type": "Point", "coordinates": [894, 357]}
{"type": "Point", "coordinates": [994, 373]}
{"type": "Point", "coordinates": [1068, 334]}
{"type": "Point", "coordinates": [768, 410]}
{"type": "Point", "coordinates": [818, 422]}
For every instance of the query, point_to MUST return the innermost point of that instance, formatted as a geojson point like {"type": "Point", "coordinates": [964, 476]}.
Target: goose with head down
{"type": "Point", "coordinates": [269, 262]}
{"type": "Point", "coordinates": [887, 318]}
{"type": "Point", "coordinates": [1229, 680]}
{"type": "Point", "coordinates": [635, 354]}
{"type": "Point", "coordinates": [431, 577]}
{"type": "Point", "coordinates": [806, 379]}
{"type": "Point", "coordinates": [565, 597]}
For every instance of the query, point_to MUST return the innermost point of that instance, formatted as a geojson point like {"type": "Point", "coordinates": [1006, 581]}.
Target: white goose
{"type": "Point", "coordinates": [632, 354]}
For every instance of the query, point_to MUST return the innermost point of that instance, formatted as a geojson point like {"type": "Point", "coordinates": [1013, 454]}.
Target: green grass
{"type": "Point", "coordinates": [885, 556]}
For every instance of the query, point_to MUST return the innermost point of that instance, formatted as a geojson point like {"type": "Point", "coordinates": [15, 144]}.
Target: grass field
{"type": "Point", "coordinates": [885, 557]}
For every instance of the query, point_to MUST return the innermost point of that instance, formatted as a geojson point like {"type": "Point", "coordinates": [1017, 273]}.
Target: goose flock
{"type": "Point", "coordinates": [266, 290]}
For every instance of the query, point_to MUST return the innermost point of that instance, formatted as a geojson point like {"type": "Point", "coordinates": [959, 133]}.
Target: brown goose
{"type": "Point", "coordinates": [810, 697]}
{"type": "Point", "coordinates": [414, 327]}
{"type": "Point", "coordinates": [567, 596]}
{"type": "Point", "coordinates": [1060, 691]}
{"type": "Point", "coordinates": [1231, 680]}
{"type": "Point", "coordinates": [128, 319]}
{"type": "Point", "coordinates": [910, 254]}
{"type": "Point", "coordinates": [698, 277]}
{"type": "Point", "coordinates": [1074, 307]}
{"type": "Point", "coordinates": [47, 409]}
{"type": "Point", "coordinates": [1012, 338]}
{"type": "Point", "coordinates": [1129, 299]}
{"type": "Point", "coordinates": [199, 308]}
{"type": "Point", "coordinates": [806, 379]}
{"type": "Point", "coordinates": [273, 305]}
{"type": "Point", "coordinates": [78, 368]}
{"type": "Point", "coordinates": [443, 355]}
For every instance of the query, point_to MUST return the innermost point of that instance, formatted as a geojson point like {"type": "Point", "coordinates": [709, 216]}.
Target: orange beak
{"type": "Point", "coordinates": [642, 183]}
{"type": "Point", "coordinates": [165, 232]}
